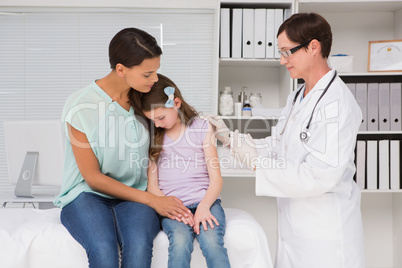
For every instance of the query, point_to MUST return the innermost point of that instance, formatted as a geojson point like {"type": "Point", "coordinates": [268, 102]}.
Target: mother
{"type": "Point", "coordinates": [103, 198]}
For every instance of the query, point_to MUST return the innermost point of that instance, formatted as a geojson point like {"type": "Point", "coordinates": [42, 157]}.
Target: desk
{"type": "Point", "coordinates": [45, 201]}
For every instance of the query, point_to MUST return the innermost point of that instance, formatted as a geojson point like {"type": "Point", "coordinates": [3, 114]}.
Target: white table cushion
{"type": "Point", "coordinates": [33, 238]}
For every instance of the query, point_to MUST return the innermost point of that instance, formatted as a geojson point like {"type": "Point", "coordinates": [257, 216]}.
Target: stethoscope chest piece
{"type": "Point", "coordinates": [304, 136]}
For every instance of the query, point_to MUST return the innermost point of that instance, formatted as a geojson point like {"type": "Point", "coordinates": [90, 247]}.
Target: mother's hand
{"type": "Point", "coordinates": [172, 208]}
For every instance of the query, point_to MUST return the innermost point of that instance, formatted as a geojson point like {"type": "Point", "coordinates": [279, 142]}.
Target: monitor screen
{"type": "Point", "coordinates": [43, 137]}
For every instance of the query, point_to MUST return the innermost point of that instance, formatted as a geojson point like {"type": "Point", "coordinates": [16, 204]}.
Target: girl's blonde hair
{"type": "Point", "coordinates": [157, 98]}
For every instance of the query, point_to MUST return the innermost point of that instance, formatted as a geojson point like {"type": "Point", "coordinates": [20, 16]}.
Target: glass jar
{"type": "Point", "coordinates": [255, 100]}
{"type": "Point", "coordinates": [226, 102]}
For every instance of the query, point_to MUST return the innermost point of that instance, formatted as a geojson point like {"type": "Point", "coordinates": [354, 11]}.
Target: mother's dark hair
{"type": "Point", "coordinates": [131, 46]}
{"type": "Point", "coordinates": [303, 27]}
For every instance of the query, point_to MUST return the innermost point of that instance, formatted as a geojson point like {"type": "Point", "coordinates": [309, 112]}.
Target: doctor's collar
{"type": "Point", "coordinates": [323, 82]}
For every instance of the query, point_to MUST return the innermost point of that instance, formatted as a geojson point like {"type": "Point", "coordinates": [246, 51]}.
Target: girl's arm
{"type": "Point", "coordinates": [153, 185]}
{"type": "Point", "coordinates": [203, 214]}
{"type": "Point", "coordinates": [89, 168]}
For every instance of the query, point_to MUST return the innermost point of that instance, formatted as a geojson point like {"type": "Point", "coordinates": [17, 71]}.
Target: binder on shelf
{"type": "Point", "coordinates": [361, 164]}
{"type": "Point", "coordinates": [395, 105]}
{"type": "Point", "coordinates": [383, 164]}
{"type": "Point", "coordinates": [383, 106]}
{"type": "Point", "coordinates": [352, 87]}
{"type": "Point", "coordinates": [372, 107]}
{"type": "Point", "coordinates": [361, 98]}
{"type": "Point", "coordinates": [372, 165]}
{"type": "Point", "coordinates": [225, 33]}
{"type": "Point", "coordinates": [287, 12]}
{"type": "Point", "coordinates": [237, 23]}
{"type": "Point", "coordinates": [259, 33]}
{"type": "Point", "coordinates": [277, 23]}
{"type": "Point", "coordinates": [395, 169]}
{"type": "Point", "coordinates": [270, 34]}
{"type": "Point", "coordinates": [248, 33]}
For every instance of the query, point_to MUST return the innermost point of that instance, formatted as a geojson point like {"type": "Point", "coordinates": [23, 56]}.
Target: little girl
{"type": "Point", "coordinates": [184, 163]}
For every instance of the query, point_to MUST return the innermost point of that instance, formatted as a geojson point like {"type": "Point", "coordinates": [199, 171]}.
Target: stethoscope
{"type": "Point", "coordinates": [305, 134]}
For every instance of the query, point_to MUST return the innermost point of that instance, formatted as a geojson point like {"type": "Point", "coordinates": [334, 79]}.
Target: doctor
{"type": "Point", "coordinates": [309, 164]}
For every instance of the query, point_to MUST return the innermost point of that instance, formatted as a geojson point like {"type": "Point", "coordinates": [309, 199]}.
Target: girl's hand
{"type": "Point", "coordinates": [203, 216]}
{"type": "Point", "coordinates": [172, 208]}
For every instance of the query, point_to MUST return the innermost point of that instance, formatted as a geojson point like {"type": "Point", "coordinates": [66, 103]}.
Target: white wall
{"type": "Point", "coordinates": [354, 41]}
{"type": "Point", "coordinates": [115, 3]}
{"type": "Point", "coordinates": [398, 24]}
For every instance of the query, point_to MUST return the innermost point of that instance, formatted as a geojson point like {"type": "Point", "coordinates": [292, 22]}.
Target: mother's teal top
{"type": "Point", "coordinates": [118, 140]}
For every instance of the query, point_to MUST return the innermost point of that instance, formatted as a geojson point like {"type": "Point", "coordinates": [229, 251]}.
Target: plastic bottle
{"type": "Point", "coordinates": [246, 109]}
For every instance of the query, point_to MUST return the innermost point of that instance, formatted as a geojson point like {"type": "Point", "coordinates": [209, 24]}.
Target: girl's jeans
{"type": "Point", "coordinates": [102, 226]}
{"type": "Point", "coordinates": [181, 237]}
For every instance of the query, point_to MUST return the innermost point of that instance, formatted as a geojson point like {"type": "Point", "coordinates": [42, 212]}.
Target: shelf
{"type": "Point", "coordinates": [239, 117]}
{"type": "Point", "coordinates": [379, 135]}
{"type": "Point", "coordinates": [379, 132]}
{"type": "Point", "coordinates": [380, 191]}
{"type": "Point", "coordinates": [237, 173]}
{"type": "Point", "coordinates": [320, 6]}
{"type": "Point", "coordinates": [256, 3]}
{"type": "Point", "coordinates": [371, 74]}
{"type": "Point", "coordinates": [229, 62]}
{"type": "Point", "coordinates": [273, 116]}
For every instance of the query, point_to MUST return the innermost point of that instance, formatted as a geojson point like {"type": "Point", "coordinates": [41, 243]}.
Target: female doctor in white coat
{"type": "Point", "coordinates": [309, 164]}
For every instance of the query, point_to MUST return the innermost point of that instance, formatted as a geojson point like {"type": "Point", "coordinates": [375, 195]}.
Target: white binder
{"type": "Point", "coordinates": [383, 106]}
{"type": "Point", "coordinates": [287, 13]}
{"type": "Point", "coordinates": [259, 33]}
{"type": "Point", "coordinates": [372, 165]}
{"type": "Point", "coordinates": [372, 107]}
{"type": "Point", "coordinates": [248, 33]}
{"type": "Point", "coordinates": [270, 45]}
{"type": "Point", "coordinates": [278, 22]}
{"type": "Point", "coordinates": [352, 87]}
{"type": "Point", "coordinates": [395, 169]}
{"type": "Point", "coordinates": [361, 164]}
{"type": "Point", "coordinates": [225, 33]}
{"type": "Point", "coordinates": [361, 98]}
{"type": "Point", "coordinates": [395, 104]}
{"type": "Point", "coordinates": [383, 164]}
{"type": "Point", "coordinates": [237, 24]}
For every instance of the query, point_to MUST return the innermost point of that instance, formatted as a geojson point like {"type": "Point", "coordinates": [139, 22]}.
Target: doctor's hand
{"type": "Point", "coordinates": [222, 133]}
{"type": "Point", "coordinates": [244, 150]}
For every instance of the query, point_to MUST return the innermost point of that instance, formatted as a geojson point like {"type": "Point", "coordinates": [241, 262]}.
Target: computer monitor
{"type": "Point", "coordinates": [35, 156]}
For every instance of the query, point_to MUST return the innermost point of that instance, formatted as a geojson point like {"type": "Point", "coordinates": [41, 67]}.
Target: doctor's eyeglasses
{"type": "Point", "coordinates": [291, 51]}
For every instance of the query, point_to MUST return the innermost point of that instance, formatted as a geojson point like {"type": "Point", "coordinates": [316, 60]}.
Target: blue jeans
{"type": "Point", "coordinates": [181, 238]}
{"type": "Point", "coordinates": [103, 226]}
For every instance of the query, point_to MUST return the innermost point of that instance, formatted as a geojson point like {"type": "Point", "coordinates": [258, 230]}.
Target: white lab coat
{"type": "Point", "coordinates": [319, 218]}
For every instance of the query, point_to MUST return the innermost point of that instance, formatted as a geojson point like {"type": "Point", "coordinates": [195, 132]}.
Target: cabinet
{"type": "Point", "coordinates": [381, 209]}
{"type": "Point", "coordinates": [262, 75]}
{"type": "Point", "coordinates": [353, 26]}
